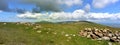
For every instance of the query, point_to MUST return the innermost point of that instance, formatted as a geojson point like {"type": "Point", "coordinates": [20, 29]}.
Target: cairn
{"type": "Point", "coordinates": [104, 34]}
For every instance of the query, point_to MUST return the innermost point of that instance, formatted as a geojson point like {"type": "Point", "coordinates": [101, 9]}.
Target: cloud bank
{"type": "Point", "coordinates": [74, 16]}
{"type": "Point", "coordinates": [103, 3]}
{"type": "Point", "coordinates": [55, 16]}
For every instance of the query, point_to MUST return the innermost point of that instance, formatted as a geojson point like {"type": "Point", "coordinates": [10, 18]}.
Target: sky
{"type": "Point", "coordinates": [103, 11]}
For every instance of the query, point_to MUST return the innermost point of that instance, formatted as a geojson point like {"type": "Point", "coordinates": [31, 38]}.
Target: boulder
{"type": "Point", "coordinates": [113, 39]}
{"type": "Point", "coordinates": [93, 36]}
{"type": "Point", "coordinates": [100, 35]}
{"type": "Point", "coordinates": [88, 36]}
{"type": "Point", "coordinates": [105, 38]}
{"type": "Point", "coordinates": [110, 35]}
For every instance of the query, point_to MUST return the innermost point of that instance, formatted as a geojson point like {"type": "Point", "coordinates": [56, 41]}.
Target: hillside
{"type": "Point", "coordinates": [62, 33]}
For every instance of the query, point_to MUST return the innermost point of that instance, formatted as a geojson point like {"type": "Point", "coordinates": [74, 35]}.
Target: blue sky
{"type": "Point", "coordinates": [111, 7]}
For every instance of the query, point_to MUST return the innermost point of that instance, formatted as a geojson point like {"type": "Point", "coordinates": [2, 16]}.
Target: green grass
{"type": "Point", "coordinates": [12, 34]}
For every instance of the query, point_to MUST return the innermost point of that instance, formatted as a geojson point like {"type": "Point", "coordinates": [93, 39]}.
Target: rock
{"type": "Point", "coordinates": [100, 35]}
{"type": "Point", "coordinates": [113, 39]}
{"type": "Point", "coordinates": [109, 43]}
{"type": "Point", "coordinates": [93, 36]}
{"type": "Point", "coordinates": [80, 33]}
{"type": "Point", "coordinates": [105, 31]}
{"type": "Point", "coordinates": [89, 29]}
{"type": "Point", "coordinates": [88, 36]}
{"type": "Point", "coordinates": [105, 38]}
{"type": "Point", "coordinates": [96, 29]}
{"type": "Point", "coordinates": [4, 23]}
{"type": "Point", "coordinates": [89, 33]}
{"type": "Point", "coordinates": [86, 28]}
{"type": "Point", "coordinates": [66, 35]}
{"type": "Point", "coordinates": [39, 31]}
{"type": "Point", "coordinates": [103, 34]}
{"type": "Point", "coordinates": [116, 34]}
{"type": "Point", "coordinates": [74, 35]}
{"type": "Point", "coordinates": [84, 34]}
{"type": "Point", "coordinates": [118, 37]}
{"type": "Point", "coordinates": [99, 31]}
{"type": "Point", "coordinates": [110, 35]}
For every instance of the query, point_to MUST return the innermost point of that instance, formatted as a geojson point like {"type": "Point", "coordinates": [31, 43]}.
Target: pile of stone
{"type": "Point", "coordinates": [24, 23]}
{"type": "Point", "coordinates": [98, 34]}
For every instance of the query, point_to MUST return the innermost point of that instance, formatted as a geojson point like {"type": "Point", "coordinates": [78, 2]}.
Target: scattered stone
{"type": "Point", "coordinates": [4, 23]}
{"type": "Point", "coordinates": [39, 31]}
{"type": "Point", "coordinates": [66, 35]}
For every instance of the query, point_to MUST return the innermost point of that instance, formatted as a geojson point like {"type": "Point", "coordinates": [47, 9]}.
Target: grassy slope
{"type": "Point", "coordinates": [12, 34]}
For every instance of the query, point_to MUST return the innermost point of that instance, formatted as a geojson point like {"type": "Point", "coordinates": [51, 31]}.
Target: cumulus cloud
{"type": "Point", "coordinates": [103, 3]}
{"type": "Point", "coordinates": [76, 15]}
{"type": "Point", "coordinates": [41, 5]}
{"type": "Point", "coordinates": [55, 16]}
{"type": "Point", "coordinates": [53, 5]}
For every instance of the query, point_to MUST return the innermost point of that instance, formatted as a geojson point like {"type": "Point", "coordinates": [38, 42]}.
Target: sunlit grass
{"type": "Point", "coordinates": [48, 34]}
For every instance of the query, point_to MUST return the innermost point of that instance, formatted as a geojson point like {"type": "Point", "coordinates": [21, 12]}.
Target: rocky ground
{"type": "Point", "coordinates": [101, 34]}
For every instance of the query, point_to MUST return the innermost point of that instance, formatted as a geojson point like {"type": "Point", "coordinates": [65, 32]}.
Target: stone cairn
{"type": "Point", "coordinates": [102, 34]}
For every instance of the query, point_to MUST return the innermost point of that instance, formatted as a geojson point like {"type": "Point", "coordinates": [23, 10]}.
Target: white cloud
{"type": "Point", "coordinates": [76, 15]}
{"type": "Point", "coordinates": [103, 16]}
{"type": "Point", "coordinates": [87, 8]}
{"type": "Point", "coordinates": [70, 2]}
{"type": "Point", "coordinates": [31, 15]}
{"type": "Point", "coordinates": [55, 16]}
{"type": "Point", "coordinates": [1, 11]}
{"type": "Point", "coordinates": [103, 3]}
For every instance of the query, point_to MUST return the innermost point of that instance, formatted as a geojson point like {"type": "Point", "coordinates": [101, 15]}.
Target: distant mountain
{"type": "Point", "coordinates": [116, 25]}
